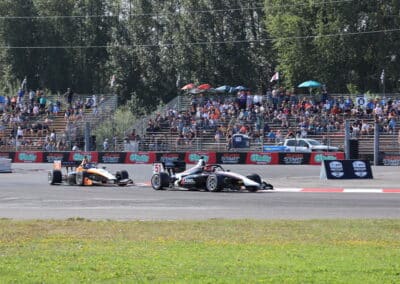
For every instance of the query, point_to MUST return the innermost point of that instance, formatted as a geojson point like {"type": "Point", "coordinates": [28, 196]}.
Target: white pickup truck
{"type": "Point", "coordinates": [307, 145]}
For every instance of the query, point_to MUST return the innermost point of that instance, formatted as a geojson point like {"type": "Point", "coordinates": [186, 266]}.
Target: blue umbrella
{"type": "Point", "coordinates": [241, 88]}
{"type": "Point", "coordinates": [310, 84]}
{"type": "Point", "coordinates": [223, 89]}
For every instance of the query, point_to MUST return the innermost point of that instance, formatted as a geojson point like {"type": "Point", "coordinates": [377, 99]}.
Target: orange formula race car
{"type": "Point", "coordinates": [88, 174]}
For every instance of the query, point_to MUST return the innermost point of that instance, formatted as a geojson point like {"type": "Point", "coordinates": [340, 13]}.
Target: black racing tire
{"type": "Point", "coordinates": [71, 179]}
{"type": "Point", "coordinates": [255, 177]}
{"type": "Point", "coordinates": [122, 175]}
{"type": "Point", "coordinates": [80, 178]}
{"type": "Point", "coordinates": [160, 181]}
{"type": "Point", "coordinates": [55, 177]}
{"type": "Point", "coordinates": [214, 183]}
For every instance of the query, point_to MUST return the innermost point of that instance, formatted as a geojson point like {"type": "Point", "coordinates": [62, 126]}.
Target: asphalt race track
{"type": "Point", "coordinates": [25, 194]}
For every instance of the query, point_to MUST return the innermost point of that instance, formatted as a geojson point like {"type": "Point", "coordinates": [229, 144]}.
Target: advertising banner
{"type": "Point", "coordinates": [170, 157]}
{"type": "Point", "coordinates": [50, 157]}
{"type": "Point", "coordinates": [140, 157]}
{"type": "Point", "coordinates": [193, 157]}
{"type": "Point", "coordinates": [317, 157]}
{"type": "Point", "coordinates": [391, 159]}
{"type": "Point", "coordinates": [78, 156]}
{"type": "Point", "coordinates": [294, 158]}
{"type": "Point", "coordinates": [28, 157]}
{"type": "Point", "coordinates": [112, 157]}
{"type": "Point", "coordinates": [262, 158]}
{"type": "Point", "coordinates": [231, 158]}
{"type": "Point", "coordinates": [346, 169]}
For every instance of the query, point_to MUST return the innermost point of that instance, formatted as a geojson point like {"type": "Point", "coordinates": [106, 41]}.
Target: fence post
{"type": "Point", "coordinates": [347, 139]}
{"type": "Point", "coordinates": [376, 144]}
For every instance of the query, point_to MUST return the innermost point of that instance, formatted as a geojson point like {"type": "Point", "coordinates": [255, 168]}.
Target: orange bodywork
{"type": "Point", "coordinates": [87, 181]}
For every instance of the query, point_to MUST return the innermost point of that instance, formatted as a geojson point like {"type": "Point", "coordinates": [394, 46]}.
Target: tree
{"type": "Point", "coordinates": [338, 43]}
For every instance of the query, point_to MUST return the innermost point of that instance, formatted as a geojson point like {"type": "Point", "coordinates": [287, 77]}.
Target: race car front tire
{"type": "Point", "coordinates": [55, 177]}
{"type": "Point", "coordinates": [214, 183]}
{"type": "Point", "coordinates": [160, 181]}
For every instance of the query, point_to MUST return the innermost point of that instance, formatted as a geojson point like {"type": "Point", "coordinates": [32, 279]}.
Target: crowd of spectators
{"type": "Point", "coordinates": [267, 118]}
{"type": "Point", "coordinates": [274, 116]}
{"type": "Point", "coordinates": [26, 119]}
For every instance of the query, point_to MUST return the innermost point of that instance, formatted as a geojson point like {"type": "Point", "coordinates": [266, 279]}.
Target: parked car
{"type": "Point", "coordinates": [307, 145]}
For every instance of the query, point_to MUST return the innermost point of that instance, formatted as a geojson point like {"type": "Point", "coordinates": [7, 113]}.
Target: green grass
{"type": "Point", "coordinates": [215, 251]}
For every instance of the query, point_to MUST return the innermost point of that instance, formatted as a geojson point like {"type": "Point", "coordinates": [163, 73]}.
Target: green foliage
{"type": "Point", "coordinates": [332, 42]}
{"type": "Point", "coordinates": [119, 125]}
{"type": "Point", "coordinates": [154, 47]}
{"type": "Point", "coordinates": [352, 89]}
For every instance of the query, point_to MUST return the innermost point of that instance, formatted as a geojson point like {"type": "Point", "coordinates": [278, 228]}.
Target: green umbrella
{"type": "Point", "coordinates": [310, 84]}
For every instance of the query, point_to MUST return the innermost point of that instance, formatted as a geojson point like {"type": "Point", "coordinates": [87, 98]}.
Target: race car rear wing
{"type": "Point", "coordinates": [58, 164]}
{"type": "Point", "coordinates": [176, 166]}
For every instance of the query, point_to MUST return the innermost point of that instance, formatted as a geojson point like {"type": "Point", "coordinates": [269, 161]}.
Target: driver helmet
{"type": "Point", "coordinates": [202, 161]}
{"type": "Point", "coordinates": [208, 168]}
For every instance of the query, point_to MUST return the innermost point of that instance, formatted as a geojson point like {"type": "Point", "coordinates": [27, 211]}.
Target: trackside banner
{"type": "Point", "coordinates": [346, 169]}
{"type": "Point", "coordinates": [232, 158]}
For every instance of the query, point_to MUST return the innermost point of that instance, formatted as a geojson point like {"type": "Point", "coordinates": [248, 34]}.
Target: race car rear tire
{"type": "Point", "coordinates": [122, 175]}
{"type": "Point", "coordinates": [80, 178]}
{"type": "Point", "coordinates": [255, 177]}
{"type": "Point", "coordinates": [160, 181]}
{"type": "Point", "coordinates": [214, 183]}
{"type": "Point", "coordinates": [55, 177]}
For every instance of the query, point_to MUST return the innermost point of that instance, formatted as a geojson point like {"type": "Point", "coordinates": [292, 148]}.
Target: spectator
{"type": "Point", "coordinates": [24, 84]}
{"type": "Point", "coordinates": [271, 137]}
{"type": "Point", "coordinates": [106, 146]}
{"type": "Point", "coordinates": [69, 95]}
{"type": "Point", "coordinates": [229, 142]}
{"type": "Point", "coordinates": [20, 133]}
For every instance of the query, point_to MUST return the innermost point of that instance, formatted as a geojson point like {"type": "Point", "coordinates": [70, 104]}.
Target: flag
{"type": "Point", "coordinates": [112, 81]}
{"type": "Point", "coordinates": [275, 77]}
{"type": "Point", "coordinates": [383, 76]}
{"type": "Point", "coordinates": [178, 81]}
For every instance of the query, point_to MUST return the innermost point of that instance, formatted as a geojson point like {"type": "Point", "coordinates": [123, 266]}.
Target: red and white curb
{"type": "Point", "coordinates": [339, 190]}
{"type": "Point", "coordinates": [317, 190]}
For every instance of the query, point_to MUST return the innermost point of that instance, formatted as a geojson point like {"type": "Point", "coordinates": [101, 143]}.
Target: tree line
{"type": "Point", "coordinates": [152, 48]}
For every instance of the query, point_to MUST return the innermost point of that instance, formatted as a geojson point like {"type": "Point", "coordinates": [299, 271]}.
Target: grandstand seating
{"type": "Point", "coordinates": [165, 140]}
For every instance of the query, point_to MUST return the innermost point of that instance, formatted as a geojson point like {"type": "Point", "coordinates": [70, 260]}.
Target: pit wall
{"type": "Point", "coordinates": [251, 158]}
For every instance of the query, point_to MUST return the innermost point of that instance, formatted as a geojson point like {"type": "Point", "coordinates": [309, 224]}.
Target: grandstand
{"type": "Point", "coordinates": [178, 127]}
{"type": "Point", "coordinates": [164, 139]}
{"type": "Point", "coordinates": [50, 130]}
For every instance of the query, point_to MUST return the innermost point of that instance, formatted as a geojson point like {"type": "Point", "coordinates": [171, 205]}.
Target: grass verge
{"type": "Point", "coordinates": [214, 251]}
